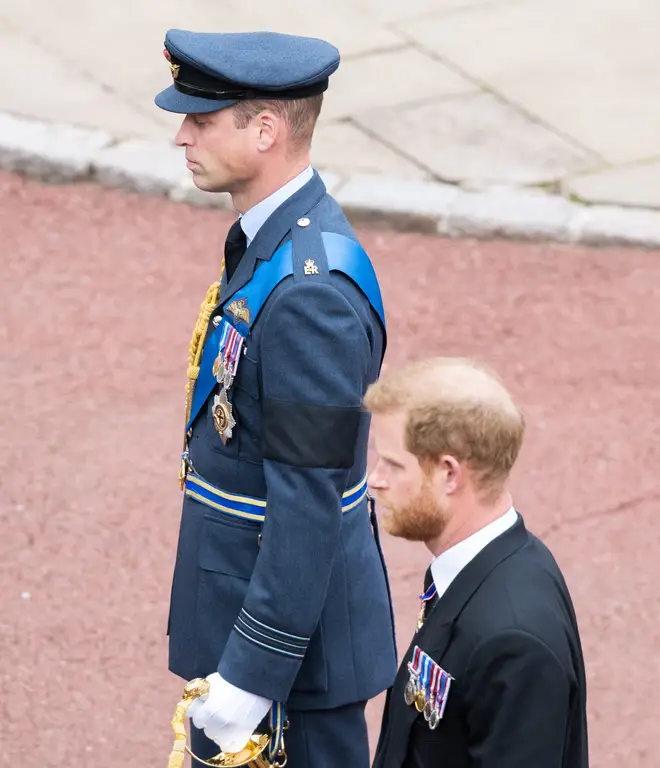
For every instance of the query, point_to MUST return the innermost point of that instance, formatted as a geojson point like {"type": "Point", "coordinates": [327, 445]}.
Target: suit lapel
{"type": "Point", "coordinates": [468, 581]}
{"type": "Point", "coordinates": [435, 636]}
{"type": "Point", "coordinates": [272, 233]}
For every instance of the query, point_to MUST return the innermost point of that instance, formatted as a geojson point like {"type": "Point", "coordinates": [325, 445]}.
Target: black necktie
{"type": "Point", "coordinates": [235, 246]}
{"type": "Point", "coordinates": [428, 580]}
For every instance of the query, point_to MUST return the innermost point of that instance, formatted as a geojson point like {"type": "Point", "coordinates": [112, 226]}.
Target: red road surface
{"type": "Point", "coordinates": [99, 291]}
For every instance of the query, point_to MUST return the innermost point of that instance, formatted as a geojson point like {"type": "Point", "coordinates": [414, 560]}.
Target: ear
{"type": "Point", "coordinates": [269, 127]}
{"type": "Point", "coordinates": [453, 473]}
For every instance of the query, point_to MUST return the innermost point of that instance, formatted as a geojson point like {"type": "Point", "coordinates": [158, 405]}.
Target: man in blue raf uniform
{"type": "Point", "coordinates": [280, 595]}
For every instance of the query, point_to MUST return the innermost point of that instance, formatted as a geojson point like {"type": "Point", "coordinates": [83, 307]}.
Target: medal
{"type": "Point", "coordinates": [218, 368]}
{"type": "Point", "coordinates": [429, 709]}
{"type": "Point", "coordinates": [224, 369]}
{"type": "Point", "coordinates": [430, 593]}
{"type": "Point", "coordinates": [411, 690]}
{"type": "Point", "coordinates": [223, 418]}
{"type": "Point", "coordinates": [423, 698]}
{"type": "Point", "coordinates": [409, 693]}
{"type": "Point", "coordinates": [412, 685]}
{"type": "Point", "coordinates": [222, 375]}
{"type": "Point", "coordinates": [428, 687]}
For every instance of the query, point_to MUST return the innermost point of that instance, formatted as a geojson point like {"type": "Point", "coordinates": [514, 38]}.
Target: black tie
{"type": "Point", "coordinates": [428, 580]}
{"type": "Point", "coordinates": [235, 246]}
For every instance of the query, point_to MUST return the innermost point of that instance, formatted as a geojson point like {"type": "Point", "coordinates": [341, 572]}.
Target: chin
{"type": "Point", "coordinates": [206, 185]}
{"type": "Point", "coordinates": [199, 181]}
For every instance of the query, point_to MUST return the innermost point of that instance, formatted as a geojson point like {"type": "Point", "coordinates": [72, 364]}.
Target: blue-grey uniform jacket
{"type": "Point", "coordinates": [297, 608]}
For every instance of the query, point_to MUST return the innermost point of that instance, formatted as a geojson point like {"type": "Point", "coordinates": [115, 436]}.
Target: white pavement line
{"type": "Point", "coordinates": [143, 166]}
{"type": "Point", "coordinates": [617, 225]}
{"type": "Point", "coordinates": [420, 205]}
{"type": "Point", "coordinates": [56, 152]}
{"type": "Point", "coordinates": [512, 214]}
{"type": "Point", "coordinates": [48, 151]}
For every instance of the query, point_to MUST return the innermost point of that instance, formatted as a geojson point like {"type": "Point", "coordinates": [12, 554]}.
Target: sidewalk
{"type": "Point", "coordinates": [560, 95]}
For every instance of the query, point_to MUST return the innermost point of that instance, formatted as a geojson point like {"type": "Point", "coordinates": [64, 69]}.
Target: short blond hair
{"type": "Point", "coordinates": [300, 115]}
{"type": "Point", "coordinates": [458, 407]}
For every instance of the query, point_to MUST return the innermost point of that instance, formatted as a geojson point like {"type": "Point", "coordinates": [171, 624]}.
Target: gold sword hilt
{"type": "Point", "coordinates": [251, 755]}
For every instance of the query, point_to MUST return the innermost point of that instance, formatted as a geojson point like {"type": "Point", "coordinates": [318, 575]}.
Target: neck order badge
{"type": "Point", "coordinates": [430, 593]}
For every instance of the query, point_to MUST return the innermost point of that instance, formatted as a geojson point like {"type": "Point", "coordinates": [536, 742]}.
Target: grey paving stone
{"type": "Point", "coordinates": [511, 214]}
{"type": "Point", "coordinates": [390, 78]}
{"type": "Point", "coordinates": [51, 152]}
{"type": "Point", "coordinates": [47, 85]}
{"type": "Point", "coordinates": [637, 185]}
{"type": "Point", "coordinates": [397, 11]}
{"type": "Point", "coordinates": [346, 150]}
{"type": "Point", "coordinates": [611, 225]}
{"type": "Point", "coordinates": [141, 166]}
{"type": "Point", "coordinates": [476, 139]}
{"type": "Point", "coordinates": [589, 68]}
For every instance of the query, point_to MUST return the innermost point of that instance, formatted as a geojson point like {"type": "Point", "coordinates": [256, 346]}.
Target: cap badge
{"type": "Point", "coordinates": [174, 68]}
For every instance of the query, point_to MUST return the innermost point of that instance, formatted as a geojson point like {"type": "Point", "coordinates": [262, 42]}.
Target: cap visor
{"type": "Point", "coordinates": [172, 100]}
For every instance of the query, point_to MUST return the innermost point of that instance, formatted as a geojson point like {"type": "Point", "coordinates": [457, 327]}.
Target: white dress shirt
{"type": "Point", "coordinates": [239, 712]}
{"type": "Point", "coordinates": [254, 219]}
{"type": "Point", "coordinates": [446, 566]}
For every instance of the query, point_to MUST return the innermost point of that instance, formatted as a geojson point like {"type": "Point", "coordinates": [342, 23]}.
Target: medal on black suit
{"type": "Point", "coordinates": [409, 692]}
{"type": "Point", "coordinates": [427, 688]}
{"type": "Point", "coordinates": [430, 593]}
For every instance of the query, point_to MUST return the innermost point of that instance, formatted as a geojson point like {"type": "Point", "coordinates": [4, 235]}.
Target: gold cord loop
{"type": "Point", "coordinates": [197, 341]}
{"type": "Point", "coordinates": [210, 302]}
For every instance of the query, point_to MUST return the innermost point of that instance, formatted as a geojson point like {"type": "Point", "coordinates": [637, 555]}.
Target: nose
{"type": "Point", "coordinates": [183, 136]}
{"type": "Point", "coordinates": [377, 480]}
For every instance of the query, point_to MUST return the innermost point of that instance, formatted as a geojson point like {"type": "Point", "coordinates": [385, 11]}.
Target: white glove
{"type": "Point", "coordinates": [228, 715]}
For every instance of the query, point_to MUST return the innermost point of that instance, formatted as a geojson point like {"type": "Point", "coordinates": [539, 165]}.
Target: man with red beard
{"type": "Point", "coordinates": [494, 676]}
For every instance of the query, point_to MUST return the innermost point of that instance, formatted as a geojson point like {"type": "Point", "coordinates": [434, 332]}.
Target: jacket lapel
{"type": "Point", "coordinates": [272, 233]}
{"type": "Point", "coordinates": [468, 581]}
{"type": "Point", "coordinates": [434, 637]}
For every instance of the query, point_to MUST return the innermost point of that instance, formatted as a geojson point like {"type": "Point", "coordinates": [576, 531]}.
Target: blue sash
{"type": "Point", "coordinates": [343, 255]}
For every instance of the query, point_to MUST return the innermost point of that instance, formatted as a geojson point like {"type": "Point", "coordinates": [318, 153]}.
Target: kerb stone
{"type": "Point", "coordinates": [613, 225]}
{"type": "Point", "coordinates": [510, 213]}
{"type": "Point", "coordinates": [419, 204]}
{"type": "Point", "coordinates": [143, 166]}
{"type": "Point", "coordinates": [51, 152]}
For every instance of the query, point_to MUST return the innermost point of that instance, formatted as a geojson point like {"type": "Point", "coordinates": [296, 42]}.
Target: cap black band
{"type": "Point", "coordinates": [194, 82]}
{"type": "Point", "coordinates": [242, 94]}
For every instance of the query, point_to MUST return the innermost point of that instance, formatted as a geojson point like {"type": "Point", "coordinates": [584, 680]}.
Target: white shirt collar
{"type": "Point", "coordinates": [254, 219]}
{"type": "Point", "coordinates": [446, 566]}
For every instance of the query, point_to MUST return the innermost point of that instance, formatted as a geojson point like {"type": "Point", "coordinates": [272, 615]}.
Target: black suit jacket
{"type": "Point", "coordinates": [506, 632]}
